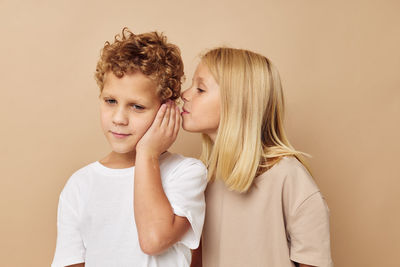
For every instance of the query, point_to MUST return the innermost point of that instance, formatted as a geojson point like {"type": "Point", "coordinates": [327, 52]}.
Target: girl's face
{"type": "Point", "coordinates": [202, 101]}
{"type": "Point", "coordinates": [128, 106]}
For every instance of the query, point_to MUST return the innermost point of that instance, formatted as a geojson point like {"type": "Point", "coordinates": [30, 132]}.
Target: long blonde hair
{"type": "Point", "coordinates": [251, 137]}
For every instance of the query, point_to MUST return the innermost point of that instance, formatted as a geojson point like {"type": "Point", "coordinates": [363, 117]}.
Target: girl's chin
{"type": "Point", "coordinates": [187, 128]}
{"type": "Point", "coordinates": [192, 129]}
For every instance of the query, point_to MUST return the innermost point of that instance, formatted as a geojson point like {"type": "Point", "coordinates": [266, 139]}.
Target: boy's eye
{"type": "Point", "coordinates": [200, 90]}
{"type": "Point", "coordinates": [137, 107]}
{"type": "Point", "coordinates": [110, 101]}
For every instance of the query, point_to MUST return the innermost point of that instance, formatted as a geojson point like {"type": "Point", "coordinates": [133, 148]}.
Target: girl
{"type": "Point", "coordinates": [263, 207]}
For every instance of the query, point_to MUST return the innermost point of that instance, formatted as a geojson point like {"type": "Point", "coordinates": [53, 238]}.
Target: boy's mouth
{"type": "Point", "coordinates": [119, 135]}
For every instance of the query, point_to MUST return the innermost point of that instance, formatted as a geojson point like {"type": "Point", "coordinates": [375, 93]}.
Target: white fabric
{"type": "Point", "coordinates": [96, 222]}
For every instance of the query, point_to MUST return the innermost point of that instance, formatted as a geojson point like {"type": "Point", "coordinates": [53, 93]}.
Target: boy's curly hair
{"type": "Point", "coordinates": [149, 53]}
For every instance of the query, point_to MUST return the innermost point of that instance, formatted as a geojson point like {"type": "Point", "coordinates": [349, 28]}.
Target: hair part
{"type": "Point", "coordinates": [251, 137]}
{"type": "Point", "coordinates": [149, 53]}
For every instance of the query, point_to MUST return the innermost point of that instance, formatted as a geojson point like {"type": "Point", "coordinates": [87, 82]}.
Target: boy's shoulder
{"type": "Point", "coordinates": [177, 158]}
{"type": "Point", "coordinates": [82, 172]}
{"type": "Point", "coordinates": [80, 177]}
{"type": "Point", "coordinates": [173, 162]}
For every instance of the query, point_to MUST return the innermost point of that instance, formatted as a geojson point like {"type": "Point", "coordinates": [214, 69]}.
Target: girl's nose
{"type": "Point", "coordinates": [185, 95]}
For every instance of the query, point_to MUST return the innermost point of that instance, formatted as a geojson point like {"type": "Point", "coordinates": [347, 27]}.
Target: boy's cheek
{"type": "Point", "coordinates": [147, 124]}
{"type": "Point", "coordinates": [146, 127]}
{"type": "Point", "coordinates": [103, 121]}
{"type": "Point", "coordinates": [151, 116]}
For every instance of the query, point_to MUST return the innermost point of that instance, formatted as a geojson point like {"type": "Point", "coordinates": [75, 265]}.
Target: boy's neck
{"type": "Point", "coordinates": [116, 160]}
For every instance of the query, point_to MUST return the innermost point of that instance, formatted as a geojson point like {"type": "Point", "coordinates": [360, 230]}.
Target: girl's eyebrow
{"type": "Point", "coordinates": [197, 78]}
{"type": "Point", "coordinates": [201, 80]}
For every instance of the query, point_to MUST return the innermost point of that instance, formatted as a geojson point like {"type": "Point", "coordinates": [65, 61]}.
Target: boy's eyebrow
{"type": "Point", "coordinates": [130, 100]}
{"type": "Point", "coordinates": [138, 101]}
{"type": "Point", "coordinates": [104, 92]}
{"type": "Point", "coordinates": [106, 95]}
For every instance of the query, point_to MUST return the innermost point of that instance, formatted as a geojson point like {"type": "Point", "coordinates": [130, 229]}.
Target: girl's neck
{"type": "Point", "coordinates": [212, 136]}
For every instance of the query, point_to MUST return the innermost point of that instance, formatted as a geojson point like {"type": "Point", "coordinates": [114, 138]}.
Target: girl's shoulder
{"type": "Point", "coordinates": [287, 166]}
{"type": "Point", "coordinates": [292, 176]}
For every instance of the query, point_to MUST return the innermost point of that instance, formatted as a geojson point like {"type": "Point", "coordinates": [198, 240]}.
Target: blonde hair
{"type": "Point", "coordinates": [251, 137]}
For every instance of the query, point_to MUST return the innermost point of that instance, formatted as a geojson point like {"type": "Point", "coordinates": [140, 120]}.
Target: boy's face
{"type": "Point", "coordinates": [128, 106]}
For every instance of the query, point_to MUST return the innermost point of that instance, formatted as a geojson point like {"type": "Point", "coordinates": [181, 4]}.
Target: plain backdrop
{"type": "Point", "coordinates": [339, 62]}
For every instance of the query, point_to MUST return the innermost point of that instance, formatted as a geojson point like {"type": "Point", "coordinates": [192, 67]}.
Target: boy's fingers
{"type": "Point", "coordinates": [160, 115]}
{"type": "Point", "coordinates": [177, 121]}
{"type": "Point", "coordinates": [171, 123]}
{"type": "Point", "coordinates": [165, 120]}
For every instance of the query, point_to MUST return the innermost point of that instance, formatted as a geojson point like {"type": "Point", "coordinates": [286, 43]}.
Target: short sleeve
{"type": "Point", "coordinates": [185, 192]}
{"type": "Point", "coordinates": [69, 248]}
{"type": "Point", "coordinates": [308, 231]}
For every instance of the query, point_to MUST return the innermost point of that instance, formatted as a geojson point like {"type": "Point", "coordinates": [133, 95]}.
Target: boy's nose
{"type": "Point", "coordinates": [119, 117]}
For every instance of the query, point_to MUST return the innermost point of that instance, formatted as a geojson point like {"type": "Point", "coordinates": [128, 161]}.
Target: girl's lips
{"type": "Point", "coordinates": [184, 111]}
{"type": "Point", "coordinates": [120, 135]}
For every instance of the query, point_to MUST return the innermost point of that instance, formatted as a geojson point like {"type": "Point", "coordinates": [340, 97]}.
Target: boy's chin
{"type": "Point", "coordinates": [123, 150]}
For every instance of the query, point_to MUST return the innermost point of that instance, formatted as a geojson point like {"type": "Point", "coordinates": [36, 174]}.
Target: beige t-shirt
{"type": "Point", "coordinates": [282, 219]}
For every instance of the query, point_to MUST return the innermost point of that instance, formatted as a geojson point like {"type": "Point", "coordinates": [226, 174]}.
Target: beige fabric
{"type": "Point", "coordinates": [281, 219]}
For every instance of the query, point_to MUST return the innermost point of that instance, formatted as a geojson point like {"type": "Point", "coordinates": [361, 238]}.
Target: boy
{"type": "Point", "coordinates": [140, 205]}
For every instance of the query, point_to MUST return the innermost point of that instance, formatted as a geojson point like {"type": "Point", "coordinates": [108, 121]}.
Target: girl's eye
{"type": "Point", "coordinates": [137, 107]}
{"type": "Point", "coordinates": [200, 90]}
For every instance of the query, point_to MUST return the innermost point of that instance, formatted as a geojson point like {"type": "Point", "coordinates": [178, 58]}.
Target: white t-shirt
{"type": "Point", "coordinates": [96, 223]}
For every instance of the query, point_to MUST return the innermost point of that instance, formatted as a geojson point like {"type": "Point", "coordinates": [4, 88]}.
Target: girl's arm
{"type": "Point", "coordinates": [158, 227]}
{"type": "Point", "coordinates": [77, 265]}
{"type": "Point", "coordinates": [304, 265]}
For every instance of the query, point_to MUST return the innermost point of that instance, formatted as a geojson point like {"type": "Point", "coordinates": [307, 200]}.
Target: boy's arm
{"type": "Point", "coordinates": [158, 227]}
{"type": "Point", "coordinates": [197, 257]}
{"type": "Point", "coordinates": [69, 246]}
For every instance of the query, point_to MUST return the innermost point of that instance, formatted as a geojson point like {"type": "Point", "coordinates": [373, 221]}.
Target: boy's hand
{"type": "Point", "coordinates": [162, 133]}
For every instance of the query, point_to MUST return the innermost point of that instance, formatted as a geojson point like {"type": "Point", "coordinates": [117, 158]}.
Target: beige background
{"type": "Point", "coordinates": [339, 62]}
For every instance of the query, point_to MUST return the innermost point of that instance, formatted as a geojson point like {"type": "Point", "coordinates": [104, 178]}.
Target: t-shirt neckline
{"type": "Point", "coordinates": [121, 171]}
